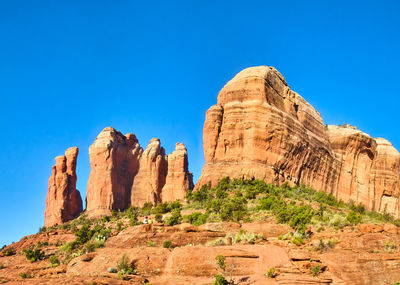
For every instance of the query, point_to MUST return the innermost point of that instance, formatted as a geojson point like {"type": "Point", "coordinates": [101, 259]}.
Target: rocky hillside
{"type": "Point", "coordinates": [242, 232]}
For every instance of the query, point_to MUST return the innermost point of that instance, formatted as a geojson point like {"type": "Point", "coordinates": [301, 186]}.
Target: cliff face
{"type": "Point", "coordinates": [369, 169]}
{"type": "Point", "coordinates": [63, 201]}
{"type": "Point", "coordinates": [123, 175]}
{"type": "Point", "coordinates": [178, 179]}
{"type": "Point", "coordinates": [114, 161]}
{"type": "Point", "coordinates": [261, 129]}
{"type": "Point", "coordinates": [151, 177]}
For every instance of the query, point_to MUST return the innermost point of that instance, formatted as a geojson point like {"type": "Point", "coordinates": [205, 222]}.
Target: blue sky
{"type": "Point", "coordinates": [70, 68]}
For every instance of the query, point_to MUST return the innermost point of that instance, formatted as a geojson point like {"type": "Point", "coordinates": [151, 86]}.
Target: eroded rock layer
{"type": "Point", "coordinates": [63, 201]}
{"type": "Point", "coordinates": [261, 129]}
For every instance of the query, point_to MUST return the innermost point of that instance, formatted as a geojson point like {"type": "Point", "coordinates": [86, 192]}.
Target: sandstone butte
{"type": "Point", "coordinates": [63, 201]}
{"type": "Point", "coordinates": [124, 175]}
{"type": "Point", "coordinates": [261, 129]}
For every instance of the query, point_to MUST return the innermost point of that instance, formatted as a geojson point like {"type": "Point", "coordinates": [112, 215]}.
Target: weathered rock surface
{"type": "Point", "coordinates": [114, 161]}
{"type": "Point", "coordinates": [261, 129]}
{"type": "Point", "coordinates": [153, 168]}
{"type": "Point", "coordinates": [123, 175]}
{"type": "Point", "coordinates": [179, 179]}
{"type": "Point", "coordinates": [63, 201]}
{"type": "Point", "coordinates": [369, 172]}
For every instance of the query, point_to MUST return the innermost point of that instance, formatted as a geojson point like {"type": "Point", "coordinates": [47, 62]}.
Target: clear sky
{"type": "Point", "coordinates": [70, 68]}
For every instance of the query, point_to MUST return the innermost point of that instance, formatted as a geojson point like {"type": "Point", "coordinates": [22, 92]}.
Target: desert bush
{"type": "Point", "coordinates": [9, 251]}
{"type": "Point", "coordinates": [54, 261]}
{"type": "Point", "coordinates": [25, 275]}
{"type": "Point", "coordinates": [196, 218]}
{"type": "Point", "coordinates": [271, 273]}
{"type": "Point", "coordinates": [158, 218]}
{"type": "Point", "coordinates": [151, 243]}
{"type": "Point", "coordinates": [33, 255]}
{"type": "Point", "coordinates": [119, 226]}
{"type": "Point", "coordinates": [353, 218]}
{"type": "Point", "coordinates": [41, 229]}
{"type": "Point", "coordinates": [175, 218]}
{"type": "Point", "coordinates": [315, 270]}
{"type": "Point", "coordinates": [167, 244]}
{"type": "Point", "coordinates": [220, 280]}
{"type": "Point", "coordinates": [125, 268]}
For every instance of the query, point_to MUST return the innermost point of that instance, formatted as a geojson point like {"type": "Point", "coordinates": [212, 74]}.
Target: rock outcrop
{"type": "Point", "coordinates": [150, 180]}
{"type": "Point", "coordinates": [179, 179]}
{"type": "Point", "coordinates": [123, 175]}
{"type": "Point", "coordinates": [261, 129]}
{"type": "Point", "coordinates": [114, 161]}
{"type": "Point", "coordinates": [369, 171]}
{"type": "Point", "coordinates": [63, 201]}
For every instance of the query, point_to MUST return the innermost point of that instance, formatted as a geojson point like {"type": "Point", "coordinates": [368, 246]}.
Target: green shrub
{"type": "Point", "coordinates": [167, 244]}
{"type": "Point", "coordinates": [315, 270]}
{"type": "Point", "coordinates": [41, 229]}
{"type": "Point", "coordinates": [353, 218]}
{"type": "Point", "coordinates": [25, 275]}
{"type": "Point", "coordinates": [151, 243]}
{"type": "Point", "coordinates": [271, 273]}
{"type": "Point", "coordinates": [221, 262]}
{"type": "Point", "coordinates": [220, 280]}
{"type": "Point", "coordinates": [119, 226]}
{"type": "Point", "coordinates": [175, 218]}
{"type": "Point", "coordinates": [147, 208]}
{"type": "Point", "coordinates": [9, 251]}
{"type": "Point", "coordinates": [196, 218]}
{"type": "Point", "coordinates": [125, 268]}
{"type": "Point", "coordinates": [33, 255]}
{"type": "Point", "coordinates": [158, 218]}
{"type": "Point", "coordinates": [54, 261]}
{"type": "Point", "coordinates": [83, 235]}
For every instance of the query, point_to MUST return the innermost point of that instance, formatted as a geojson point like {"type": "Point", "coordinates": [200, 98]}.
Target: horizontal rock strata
{"type": "Point", "coordinates": [261, 129]}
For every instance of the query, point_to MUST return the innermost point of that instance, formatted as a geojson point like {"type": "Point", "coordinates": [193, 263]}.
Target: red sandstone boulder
{"type": "Point", "coordinates": [114, 161]}
{"type": "Point", "coordinates": [150, 180]}
{"type": "Point", "coordinates": [179, 179]}
{"type": "Point", "coordinates": [63, 201]}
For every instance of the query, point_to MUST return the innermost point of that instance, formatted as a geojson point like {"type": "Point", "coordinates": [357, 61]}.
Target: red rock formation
{"type": "Point", "coordinates": [179, 179]}
{"type": "Point", "coordinates": [151, 176]}
{"type": "Point", "coordinates": [369, 169]}
{"type": "Point", "coordinates": [114, 160]}
{"type": "Point", "coordinates": [63, 201]}
{"type": "Point", "coordinates": [262, 129]}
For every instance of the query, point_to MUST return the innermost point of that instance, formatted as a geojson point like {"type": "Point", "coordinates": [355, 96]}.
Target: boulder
{"type": "Point", "coordinates": [63, 201]}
